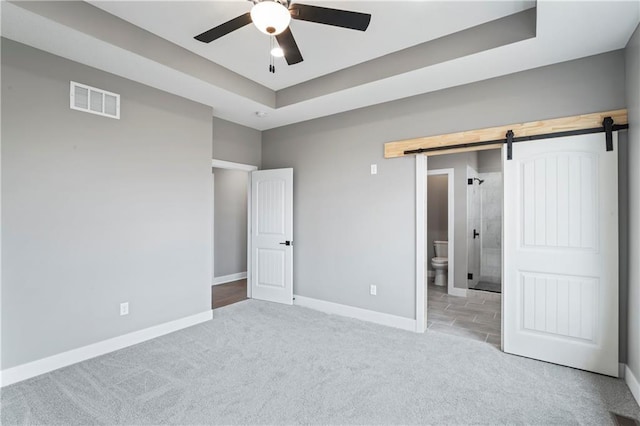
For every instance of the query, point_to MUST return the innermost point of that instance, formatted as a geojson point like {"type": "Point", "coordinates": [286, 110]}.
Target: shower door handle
{"type": "Point", "coordinates": [475, 234]}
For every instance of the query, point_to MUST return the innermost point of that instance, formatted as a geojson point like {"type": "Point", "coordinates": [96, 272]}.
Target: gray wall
{"type": "Point", "coordinates": [437, 213]}
{"type": "Point", "coordinates": [97, 211]}
{"type": "Point", "coordinates": [632, 53]}
{"type": "Point", "coordinates": [236, 143]}
{"type": "Point", "coordinates": [230, 222]}
{"type": "Point", "coordinates": [459, 163]}
{"type": "Point", "coordinates": [353, 229]}
{"type": "Point", "coordinates": [490, 161]}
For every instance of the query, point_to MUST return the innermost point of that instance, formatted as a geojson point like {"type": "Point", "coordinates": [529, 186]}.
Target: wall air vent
{"type": "Point", "coordinates": [95, 101]}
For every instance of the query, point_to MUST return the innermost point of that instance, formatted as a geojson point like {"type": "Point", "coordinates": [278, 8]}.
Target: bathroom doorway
{"type": "Point", "coordinates": [458, 308]}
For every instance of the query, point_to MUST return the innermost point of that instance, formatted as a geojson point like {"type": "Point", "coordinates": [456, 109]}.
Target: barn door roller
{"type": "Point", "coordinates": [509, 144]}
{"type": "Point", "coordinates": [607, 123]}
{"type": "Point", "coordinates": [608, 127]}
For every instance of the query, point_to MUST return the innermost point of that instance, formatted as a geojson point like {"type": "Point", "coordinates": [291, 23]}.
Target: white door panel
{"type": "Point", "coordinates": [560, 298]}
{"type": "Point", "coordinates": [272, 227]}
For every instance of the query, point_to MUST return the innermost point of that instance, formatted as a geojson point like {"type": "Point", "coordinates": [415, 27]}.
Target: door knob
{"type": "Point", "coordinates": [475, 234]}
{"type": "Point", "coordinates": [287, 243]}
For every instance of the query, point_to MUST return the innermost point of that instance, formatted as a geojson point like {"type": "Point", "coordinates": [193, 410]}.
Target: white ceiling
{"type": "Point", "coordinates": [394, 25]}
{"type": "Point", "coordinates": [565, 30]}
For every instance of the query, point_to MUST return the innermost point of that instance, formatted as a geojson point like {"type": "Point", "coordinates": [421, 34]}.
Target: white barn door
{"type": "Point", "coordinates": [560, 291]}
{"type": "Point", "coordinates": [272, 235]}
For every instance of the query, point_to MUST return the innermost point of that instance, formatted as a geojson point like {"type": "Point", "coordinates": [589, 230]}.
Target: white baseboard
{"type": "Point", "coordinates": [45, 365]}
{"type": "Point", "coordinates": [460, 292]}
{"type": "Point", "coordinates": [632, 381]}
{"type": "Point", "coordinates": [358, 313]}
{"type": "Point", "coordinates": [229, 278]}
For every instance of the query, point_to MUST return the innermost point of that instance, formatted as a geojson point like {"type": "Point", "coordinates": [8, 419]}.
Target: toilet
{"type": "Point", "coordinates": [440, 263]}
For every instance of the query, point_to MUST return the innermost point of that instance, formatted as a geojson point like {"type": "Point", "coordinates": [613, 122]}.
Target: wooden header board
{"type": "Point", "coordinates": [577, 122]}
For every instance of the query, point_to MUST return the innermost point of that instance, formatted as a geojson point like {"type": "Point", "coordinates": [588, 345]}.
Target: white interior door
{"type": "Point", "coordinates": [272, 235]}
{"type": "Point", "coordinates": [560, 293]}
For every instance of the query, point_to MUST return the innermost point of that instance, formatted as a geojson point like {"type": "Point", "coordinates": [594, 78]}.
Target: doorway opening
{"type": "Point", "coordinates": [231, 188]}
{"type": "Point", "coordinates": [453, 247]}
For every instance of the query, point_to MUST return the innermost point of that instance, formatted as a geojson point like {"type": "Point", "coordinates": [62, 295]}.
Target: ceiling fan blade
{"type": "Point", "coordinates": [224, 29]}
{"type": "Point", "coordinates": [335, 17]}
{"type": "Point", "coordinates": [289, 46]}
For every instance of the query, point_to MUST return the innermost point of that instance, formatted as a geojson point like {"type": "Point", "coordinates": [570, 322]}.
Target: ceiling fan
{"type": "Point", "coordinates": [272, 17]}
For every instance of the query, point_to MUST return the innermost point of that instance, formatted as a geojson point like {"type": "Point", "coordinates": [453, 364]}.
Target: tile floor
{"type": "Point", "coordinates": [476, 316]}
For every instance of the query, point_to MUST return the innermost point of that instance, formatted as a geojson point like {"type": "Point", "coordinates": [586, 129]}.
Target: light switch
{"type": "Point", "coordinates": [374, 169]}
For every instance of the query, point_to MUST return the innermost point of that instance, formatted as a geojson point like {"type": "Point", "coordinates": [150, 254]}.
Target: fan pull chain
{"type": "Point", "coordinates": [272, 67]}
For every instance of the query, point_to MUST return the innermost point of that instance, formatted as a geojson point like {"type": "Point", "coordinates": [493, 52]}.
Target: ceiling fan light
{"type": "Point", "coordinates": [270, 17]}
{"type": "Point", "coordinates": [277, 52]}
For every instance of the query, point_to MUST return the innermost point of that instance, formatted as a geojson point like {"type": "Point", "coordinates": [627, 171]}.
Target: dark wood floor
{"type": "Point", "coordinates": [229, 293]}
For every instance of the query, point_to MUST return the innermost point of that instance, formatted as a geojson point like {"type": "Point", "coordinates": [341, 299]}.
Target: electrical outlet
{"type": "Point", "coordinates": [124, 308]}
{"type": "Point", "coordinates": [373, 290]}
{"type": "Point", "coordinates": [374, 169]}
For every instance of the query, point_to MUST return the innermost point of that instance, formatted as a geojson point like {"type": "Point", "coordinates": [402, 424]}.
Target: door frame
{"type": "Point", "coordinates": [422, 173]}
{"type": "Point", "coordinates": [229, 165]}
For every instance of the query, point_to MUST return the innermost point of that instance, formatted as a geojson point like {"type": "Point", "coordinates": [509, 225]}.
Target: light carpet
{"type": "Point", "coordinates": [263, 363]}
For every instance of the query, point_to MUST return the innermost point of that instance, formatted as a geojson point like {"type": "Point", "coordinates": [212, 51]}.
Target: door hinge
{"type": "Point", "coordinates": [469, 276]}
{"type": "Point", "coordinates": [469, 181]}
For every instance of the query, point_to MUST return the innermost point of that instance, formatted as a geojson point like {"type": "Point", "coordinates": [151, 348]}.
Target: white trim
{"type": "Point", "coordinates": [249, 246]}
{"type": "Point", "coordinates": [421, 209]}
{"type": "Point", "coordinates": [213, 225]}
{"type": "Point", "coordinates": [460, 292]}
{"type": "Point", "coordinates": [631, 381]}
{"type": "Point", "coordinates": [353, 312]}
{"type": "Point", "coordinates": [503, 157]}
{"type": "Point", "coordinates": [451, 289]}
{"type": "Point", "coordinates": [45, 365]}
{"type": "Point", "coordinates": [229, 278]}
{"type": "Point", "coordinates": [222, 164]}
